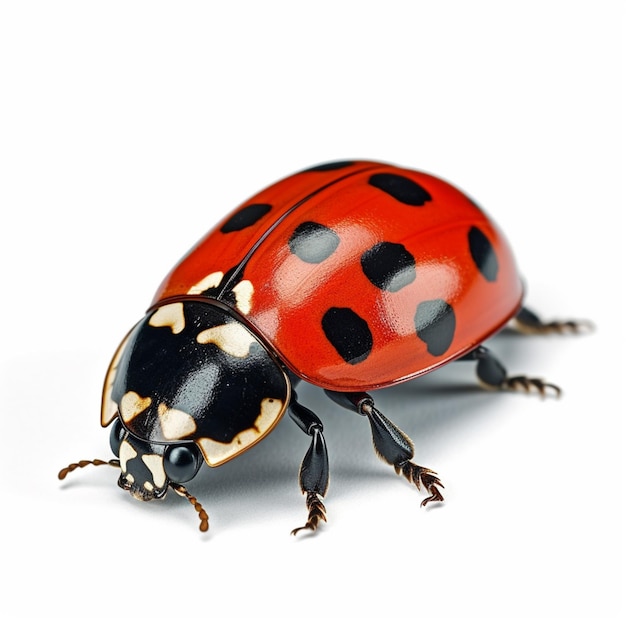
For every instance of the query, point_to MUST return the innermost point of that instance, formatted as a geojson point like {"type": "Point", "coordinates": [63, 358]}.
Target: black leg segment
{"type": "Point", "coordinates": [314, 472]}
{"type": "Point", "coordinates": [390, 443]}
{"type": "Point", "coordinates": [528, 322]}
{"type": "Point", "coordinates": [493, 374]}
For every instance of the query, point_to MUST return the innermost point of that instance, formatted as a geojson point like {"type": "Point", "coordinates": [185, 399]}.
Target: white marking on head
{"type": "Point", "coordinates": [175, 424]}
{"type": "Point", "coordinates": [208, 282]}
{"type": "Point", "coordinates": [130, 479]}
{"type": "Point", "coordinates": [127, 452]}
{"type": "Point", "coordinates": [154, 462]}
{"type": "Point", "coordinates": [132, 405]}
{"type": "Point", "coordinates": [234, 339]}
{"type": "Point", "coordinates": [171, 315]}
{"type": "Point", "coordinates": [243, 296]}
{"type": "Point", "coordinates": [148, 486]}
{"type": "Point", "coordinates": [216, 452]}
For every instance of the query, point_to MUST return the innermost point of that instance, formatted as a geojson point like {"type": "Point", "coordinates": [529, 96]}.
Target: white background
{"type": "Point", "coordinates": [129, 128]}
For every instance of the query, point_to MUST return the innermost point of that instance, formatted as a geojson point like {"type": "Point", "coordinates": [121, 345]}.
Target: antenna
{"type": "Point", "coordinates": [70, 468]}
{"type": "Point", "coordinates": [202, 514]}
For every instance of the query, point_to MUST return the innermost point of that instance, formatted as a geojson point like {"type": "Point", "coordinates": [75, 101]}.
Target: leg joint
{"type": "Point", "coordinates": [304, 418]}
{"type": "Point", "coordinates": [357, 401]}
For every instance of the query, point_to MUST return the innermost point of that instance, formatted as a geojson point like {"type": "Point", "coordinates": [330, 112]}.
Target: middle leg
{"type": "Point", "coordinates": [390, 443]}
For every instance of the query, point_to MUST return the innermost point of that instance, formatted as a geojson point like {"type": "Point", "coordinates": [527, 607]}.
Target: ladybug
{"type": "Point", "coordinates": [353, 276]}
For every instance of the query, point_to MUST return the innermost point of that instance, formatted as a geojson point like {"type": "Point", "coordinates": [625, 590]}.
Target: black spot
{"type": "Point", "coordinates": [349, 334]}
{"type": "Point", "coordinates": [401, 188]}
{"type": "Point", "coordinates": [327, 167]}
{"type": "Point", "coordinates": [245, 217]}
{"type": "Point", "coordinates": [435, 323]}
{"type": "Point", "coordinates": [389, 266]}
{"type": "Point", "coordinates": [312, 242]}
{"type": "Point", "coordinates": [483, 253]}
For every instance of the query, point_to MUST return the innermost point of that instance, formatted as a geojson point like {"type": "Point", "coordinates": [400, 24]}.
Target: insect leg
{"type": "Point", "coordinates": [528, 322]}
{"type": "Point", "coordinates": [390, 443]}
{"type": "Point", "coordinates": [314, 469]}
{"type": "Point", "coordinates": [493, 374]}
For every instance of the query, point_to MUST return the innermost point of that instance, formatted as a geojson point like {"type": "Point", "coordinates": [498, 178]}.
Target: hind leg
{"type": "Point", "coordinates": [493, 374]}
{"type": "Point", "coordinates": [528, 322]}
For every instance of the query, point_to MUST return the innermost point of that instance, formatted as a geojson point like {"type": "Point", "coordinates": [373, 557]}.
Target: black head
{"type": "Point", "coordinates": [190, 383]}
{"type": "Point", "coordinates": [148, 469]}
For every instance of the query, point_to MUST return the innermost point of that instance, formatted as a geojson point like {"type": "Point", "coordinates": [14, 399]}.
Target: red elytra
{"type": "Point", "coordinates": [292, 294]}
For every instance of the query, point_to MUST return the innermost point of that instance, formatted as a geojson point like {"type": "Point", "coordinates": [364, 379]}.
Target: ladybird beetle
{"type": "Point", "coordinates": [351, 275]}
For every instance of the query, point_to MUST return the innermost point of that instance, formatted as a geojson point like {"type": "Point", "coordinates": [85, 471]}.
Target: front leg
{"type": "Point", "coordinates": [314, 472]}
{"type": "Point", "coordinates": [391, 444]}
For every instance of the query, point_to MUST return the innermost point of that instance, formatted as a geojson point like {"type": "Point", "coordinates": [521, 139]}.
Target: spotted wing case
{"type": "Point", "coordinates": [360, 274]}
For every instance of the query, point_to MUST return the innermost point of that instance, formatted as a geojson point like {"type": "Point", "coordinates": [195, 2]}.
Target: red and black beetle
{"type": "Point", "coordinates": [353, 276]}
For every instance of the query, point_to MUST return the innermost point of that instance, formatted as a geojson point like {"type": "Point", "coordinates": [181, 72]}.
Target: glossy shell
{"type": "Point", "coordinates": [358, 275]}
{"type": "Point", "coordinates": [189, 371]}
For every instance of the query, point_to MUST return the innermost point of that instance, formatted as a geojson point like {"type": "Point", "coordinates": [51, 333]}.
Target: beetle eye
{"type": "Point", "coordinates": [182, 462]}
{"type": "Point", "coordinates": [118, 432]}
